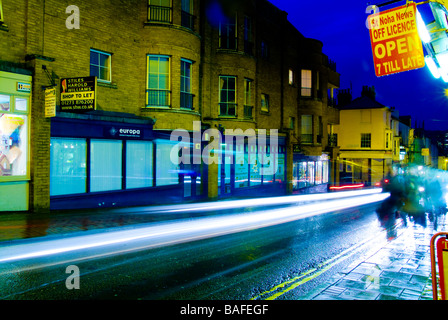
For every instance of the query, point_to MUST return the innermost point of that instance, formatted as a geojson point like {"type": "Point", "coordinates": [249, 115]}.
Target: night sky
{"type": "Point", "coordinates": [341, 27]}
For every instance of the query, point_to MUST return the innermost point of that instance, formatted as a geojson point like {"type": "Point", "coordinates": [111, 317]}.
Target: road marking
{"type": "Point", "coordinates": [320, 269]}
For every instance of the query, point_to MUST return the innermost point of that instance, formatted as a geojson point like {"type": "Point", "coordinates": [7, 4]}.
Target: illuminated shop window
{"type": "Point", "coordinates": [167, 172]}
{"type": "Point", "coordinates": [105, 165]}
{"type": "Point", "coordinates": [68, 170]}
{"type": "Point", "coordinates": [13, 136]}
{"type": "Point", "coordinates": [139, 164]}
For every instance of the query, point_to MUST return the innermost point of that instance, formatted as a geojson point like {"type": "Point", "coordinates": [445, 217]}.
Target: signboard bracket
{"type": "Point", "coordinates": [51, 77]}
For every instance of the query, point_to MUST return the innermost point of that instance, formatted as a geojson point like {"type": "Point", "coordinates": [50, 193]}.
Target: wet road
{"type": "Point", "coordinates": [277, 261]}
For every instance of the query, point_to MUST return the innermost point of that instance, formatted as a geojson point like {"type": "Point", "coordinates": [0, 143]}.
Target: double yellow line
{"type": "Point", "coordinates": [304, 277]}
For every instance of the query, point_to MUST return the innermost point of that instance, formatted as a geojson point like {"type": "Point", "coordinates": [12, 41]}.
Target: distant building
{"type": "Point", "coordinates": [367, 139]}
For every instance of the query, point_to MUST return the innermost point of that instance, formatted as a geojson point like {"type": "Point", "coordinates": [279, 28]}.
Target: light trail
{"type": "Point", "coordinates": [121, 241]}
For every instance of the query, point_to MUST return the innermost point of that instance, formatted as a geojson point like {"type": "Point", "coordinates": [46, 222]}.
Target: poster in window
{"type": "Point", "coordinates": [13, 142]}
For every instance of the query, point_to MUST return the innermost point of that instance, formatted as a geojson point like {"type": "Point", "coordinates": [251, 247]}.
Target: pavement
{"type": "Point", "coordinates": [398, 270]}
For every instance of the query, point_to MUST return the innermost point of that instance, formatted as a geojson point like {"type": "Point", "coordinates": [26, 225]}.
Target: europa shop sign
{"type": "Point", "coordinates": [78, 94]}
{"type": "Point", "coordinates": [396, 45]}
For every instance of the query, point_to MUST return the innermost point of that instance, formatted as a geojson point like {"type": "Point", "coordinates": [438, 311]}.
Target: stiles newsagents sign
{"type": "Point", "coordinates": [78, 94]}
{"type": "Point", "coordinates": [396, 44]}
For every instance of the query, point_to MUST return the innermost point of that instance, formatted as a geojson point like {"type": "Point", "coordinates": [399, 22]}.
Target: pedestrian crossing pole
{"type": "Point", "coordinates": [439, 257]}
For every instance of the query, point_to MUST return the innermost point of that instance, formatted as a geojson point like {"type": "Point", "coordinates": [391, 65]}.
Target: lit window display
{"type": "Point", "coordinates": [13, 143]}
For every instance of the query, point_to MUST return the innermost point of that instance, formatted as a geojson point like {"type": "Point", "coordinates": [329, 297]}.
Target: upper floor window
{"type": "Point", "coordinates": [158, 85]}
{"type": "Point", "coordinates": [227, 33]}
{"type": "Point", "coordinates": [159, 10]}
{"type": "Point", "coordinates": [187, 18]}
{"type": "Point", "coordinates": [307, 128]}
{"type": "Point", "coordinates": [248, 104]}
{"type": "Point", "coordinates": [264, 49]}
{"type": "Point", "coordinates": [291, 77]}
{"type": "Point", "coordinates": [366, 140]}
{"type": "Point", "coordinates": [1, 12]}
{"type": "Point", "coordinates": [306, 83]}
{"type": "Point", "coordinates": [227, 96]}
{"type": "Point", "coordinates": [248, 36]}
{"type": "Point", "coordinates": [186, 96]}
{"type": "Point", "coordinates": [264, 102]}
{"type": "Point", "coordinates": [100, 65]}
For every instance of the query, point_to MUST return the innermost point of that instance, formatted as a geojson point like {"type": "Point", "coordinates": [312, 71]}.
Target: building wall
{"type": "Point", "coordinates": [45, 47]}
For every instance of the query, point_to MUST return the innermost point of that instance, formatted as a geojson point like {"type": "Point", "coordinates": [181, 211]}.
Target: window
{"type": "Point", "coordinates": [248, 36]}
{"type": "Point", "coordinates": [241, 166]}
{"type": "Point", "coordinates": [68, 170]}
{"type": "Point", "coordinates": [366, 140]}
{"type": "Point", "coordinates": [105, 165]}
{"type": "Point", "coordinates": [307, 129]}
{"type": "Point", "coordinates": [167, 172]}
{"type": "Point", "coordinates": [13, 136]}
{"type": "Point", "coordinates": [264, 50]}
{"type": "Point", "coordinates": [139, 164]}
{"type": "Point", "coordinates": [248, 105]}
{"type": "Point", "coordinates": [292, 123]}
{"type": "Point", "coordinates": [306, 83]}
{"type": "Point", "coordinates": [227, 96]}
{"type": "Point", "coordinates": [264, 102]}
{"type": "Point", "coordinates": [159, 10]}
{"type": "Point", "coordinates": [187, 18]}
{"type": "Point", "coordinates": [158, 86]}
{"type": "Point", "coordinates": [291, 77]}
{"type": "Point", "coordinates": [1, 13]}
{"type": "Point", "coordinates": [186, 97]}
{"type": "Point", "coordinates": [100, 65]}
{"type": "Point", "coordinates": [227, 34]}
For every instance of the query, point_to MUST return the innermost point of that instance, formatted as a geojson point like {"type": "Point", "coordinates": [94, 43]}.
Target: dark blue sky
{"type": "Point", "coordinates": [341, 27]}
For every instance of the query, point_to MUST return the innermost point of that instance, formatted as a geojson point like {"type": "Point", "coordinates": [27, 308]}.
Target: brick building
{"type": "Point", "coordinates": [158, 66]}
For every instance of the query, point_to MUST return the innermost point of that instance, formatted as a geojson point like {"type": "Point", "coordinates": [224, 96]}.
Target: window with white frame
{"type": "Point", "coordinates": [306, 83]}
{"type": "Point", "coordinates": [100, 65]}
{"type": "Point", "coordinates": [227, 96]}
{"type": "Point", "coordinates": [158, 85]}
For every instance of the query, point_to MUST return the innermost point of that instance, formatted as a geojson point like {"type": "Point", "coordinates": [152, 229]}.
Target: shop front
{"type": "Point", "coordinates": [15, 94]}
{"type": "Point", "coordinates": [252, 170]}
{"type": "Point", "coordinates": [310, 173]}
{"type": "Point", "coordinates": [108, 159]}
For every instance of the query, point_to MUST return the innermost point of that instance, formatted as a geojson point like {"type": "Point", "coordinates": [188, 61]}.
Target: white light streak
{"type": "Point", "coordinates": [151, 236]}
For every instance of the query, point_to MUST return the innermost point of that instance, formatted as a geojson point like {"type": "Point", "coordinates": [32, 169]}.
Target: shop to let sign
{"type": "Point", "coordinates": [396, 45]}
{"type": "Point", "coordinates": [78, 94]}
